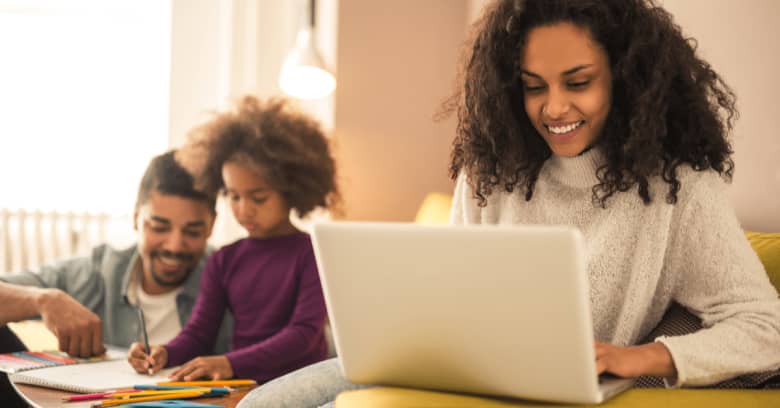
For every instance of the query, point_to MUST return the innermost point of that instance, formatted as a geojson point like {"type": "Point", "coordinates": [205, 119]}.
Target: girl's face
{"type": "Point", "coordinates": [567, 86]}
{"type": "Point", "coordinates": [261, 210]}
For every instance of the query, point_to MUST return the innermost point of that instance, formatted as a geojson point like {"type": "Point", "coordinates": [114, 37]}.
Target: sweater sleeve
{"type": "Point", "coordinates": [302, 333]}
{"type": "Point", "coordinates": [198, 337]}
{"type": "Point", "coordinates": [721, 280]}
{"type": "Point", "coordinates": [464, 208]}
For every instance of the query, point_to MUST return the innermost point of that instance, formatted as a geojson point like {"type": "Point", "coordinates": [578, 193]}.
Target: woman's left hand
{"type": "Point", "coordinates": [211, 367]}
{"type": "Point", "coordinates": [634, 361]}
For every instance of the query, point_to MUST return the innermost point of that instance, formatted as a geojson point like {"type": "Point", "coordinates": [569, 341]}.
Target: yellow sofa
{"type": "Point", "coordinates": [435, 210]}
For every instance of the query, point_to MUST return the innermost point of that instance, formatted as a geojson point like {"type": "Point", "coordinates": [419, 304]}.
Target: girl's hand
{"type": "Point", "coordinates": [211, 367]}
{"type": "Point", "coordinates": [144, 363]}
{"type": "Point", "coordinates": [646, 359]}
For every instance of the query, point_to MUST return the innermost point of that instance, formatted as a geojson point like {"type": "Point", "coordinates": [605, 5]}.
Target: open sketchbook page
{"type": "Point", "coordinates": [89, 378]}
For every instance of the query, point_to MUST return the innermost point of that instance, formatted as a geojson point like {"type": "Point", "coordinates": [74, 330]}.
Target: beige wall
{"type": "Point", "coordinates": [396, 63]}
{"type": "Point", "coordinates": [740, 40]}
{"type": "Point", "coordinates": [200, 63]}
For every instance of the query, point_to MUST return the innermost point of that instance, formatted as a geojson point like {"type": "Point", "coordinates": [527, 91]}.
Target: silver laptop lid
{"type": "Point", "coordinates": [482, 309]}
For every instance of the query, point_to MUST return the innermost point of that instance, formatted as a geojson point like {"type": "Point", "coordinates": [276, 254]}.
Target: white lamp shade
{"type": "Point", "coordinates": [303, 73]}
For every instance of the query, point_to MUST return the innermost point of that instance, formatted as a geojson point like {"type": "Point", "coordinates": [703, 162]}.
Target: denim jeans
{"type": "Point", "coordinates": [8, 344]}
{"type": "Point", "coordinates": [313, 386]}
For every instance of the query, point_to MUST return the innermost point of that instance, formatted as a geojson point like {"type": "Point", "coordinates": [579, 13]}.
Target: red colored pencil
{"type": "Point", "coordinates": [100, 395]}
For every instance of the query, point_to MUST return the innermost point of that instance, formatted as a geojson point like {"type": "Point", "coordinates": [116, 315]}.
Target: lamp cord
{"type": "Point", "coordinates": [312, 12]}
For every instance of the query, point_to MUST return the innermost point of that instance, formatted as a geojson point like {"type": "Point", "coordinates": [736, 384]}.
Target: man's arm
{"type": "Point", "coordinates": [28, 295]}
{"type": "Point", "coordinates": [78, 330]}
{"type": "Point", "coordinates": [20, 302]}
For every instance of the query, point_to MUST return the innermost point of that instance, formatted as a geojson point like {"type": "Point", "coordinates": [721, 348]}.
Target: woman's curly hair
{"type": "Point", "coordinates": [669, 107]}
{"type": "Point", "coordinates": [285, 147]}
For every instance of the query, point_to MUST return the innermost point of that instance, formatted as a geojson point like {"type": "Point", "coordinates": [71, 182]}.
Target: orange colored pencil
{"type": "Point", "coordinates": [211, 383]}
{"type": "Point", "coordinates": [147, 393]}
{"type": "Point", "coordinates": [180, 395]}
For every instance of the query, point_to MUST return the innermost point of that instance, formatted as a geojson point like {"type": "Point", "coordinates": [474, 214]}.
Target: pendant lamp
{"type": "Point", "coordinates": [304, 74]}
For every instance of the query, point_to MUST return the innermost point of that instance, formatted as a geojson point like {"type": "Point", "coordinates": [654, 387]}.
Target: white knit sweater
{"type": "Point", "coordinates": [643, 257]}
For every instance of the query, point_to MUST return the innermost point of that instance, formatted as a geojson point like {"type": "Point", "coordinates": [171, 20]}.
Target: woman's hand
{"type": "Point", "coordinates": [211, 367]}
{"type": "Point", "coordinates": [633, 361]}
{"type": "Point", "coordinates": [147, 363]}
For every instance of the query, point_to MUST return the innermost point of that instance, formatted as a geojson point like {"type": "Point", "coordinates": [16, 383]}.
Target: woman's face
{"type": "Point", "coordinates": [567, 86]}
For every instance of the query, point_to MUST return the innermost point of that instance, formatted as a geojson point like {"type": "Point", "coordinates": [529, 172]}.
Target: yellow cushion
{"type": "Point", "coordinates": [434, 210]}
{"type": "Point", "coordinates": [767, 246]}
{"type": "Point", "coordinates": [633, 398]}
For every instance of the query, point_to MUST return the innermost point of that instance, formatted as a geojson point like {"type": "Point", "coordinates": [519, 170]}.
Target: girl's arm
{"type": "Point", "coordinates": [198, 336]}
{"type": "Point", "coordinates": [721, 280]}
{"type": "Point", "coordinates": [302, 333]}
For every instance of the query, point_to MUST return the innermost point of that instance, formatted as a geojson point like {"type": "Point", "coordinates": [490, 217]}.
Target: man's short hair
{"type": "Point", "coordinates": [166, 176]}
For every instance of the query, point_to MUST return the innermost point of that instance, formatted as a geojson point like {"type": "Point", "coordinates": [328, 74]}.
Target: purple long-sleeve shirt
{"type": "Point", "coordinates": [272, 287]}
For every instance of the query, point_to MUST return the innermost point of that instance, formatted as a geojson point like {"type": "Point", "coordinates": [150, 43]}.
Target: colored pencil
{"type": "Point", "coordinates": [100, 395]}
{"type": "Point", "coordinates": [27, 356]}
{"type": "Point", "coordinates": [212, 383]}
{"type": "Point", "coordinates": [145, 336]}
{"type": "Point", "coordinates": [52, 357]}
{"type": "Point", "coordinates": [180, 395]}
{"type": "Point", "coordinates": [19, 360]}
{"type": "Point", "coordinates": [144, 393]}
{"type": "Point", "coordinates": [217, 390]}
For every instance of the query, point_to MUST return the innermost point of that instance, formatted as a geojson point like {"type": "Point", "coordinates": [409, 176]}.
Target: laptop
{"type": "Point", "coordinates": [499, 311]}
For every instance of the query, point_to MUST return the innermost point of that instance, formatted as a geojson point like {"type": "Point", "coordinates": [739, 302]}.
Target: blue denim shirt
{"type": "Point", "coordinates": [100, 282]}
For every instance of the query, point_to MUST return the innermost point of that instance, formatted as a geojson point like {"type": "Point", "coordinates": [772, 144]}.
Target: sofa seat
{"type": "Point", "coordinates": [634, 398]}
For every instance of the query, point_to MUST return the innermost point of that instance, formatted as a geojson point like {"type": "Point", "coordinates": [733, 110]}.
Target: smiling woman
{"type": "Point", "coordinates": [568, 87]}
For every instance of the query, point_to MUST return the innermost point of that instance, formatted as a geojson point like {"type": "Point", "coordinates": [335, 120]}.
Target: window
{"type": "Point", "coordinates": [84, 100]}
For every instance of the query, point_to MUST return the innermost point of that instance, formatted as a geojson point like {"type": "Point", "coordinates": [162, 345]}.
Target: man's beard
{"type": "Point", "coordinates": [182, 256]}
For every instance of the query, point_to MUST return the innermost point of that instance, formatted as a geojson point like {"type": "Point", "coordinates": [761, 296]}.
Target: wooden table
{"type": "Point", "coordinates": [40, 397]}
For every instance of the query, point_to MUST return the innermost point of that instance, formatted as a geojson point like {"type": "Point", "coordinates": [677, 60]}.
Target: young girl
{"type": "Point", "coordinates": [599, 114]}
{"type": "Point", "coordinates": [267, 160]}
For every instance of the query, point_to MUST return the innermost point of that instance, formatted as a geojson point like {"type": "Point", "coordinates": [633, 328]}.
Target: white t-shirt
{"type": "Point", "coordinates": [160, 314]}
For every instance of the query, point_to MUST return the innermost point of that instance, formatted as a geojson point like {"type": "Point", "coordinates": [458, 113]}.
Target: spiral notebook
{"type": "Point", "coordinates": [89, 378]}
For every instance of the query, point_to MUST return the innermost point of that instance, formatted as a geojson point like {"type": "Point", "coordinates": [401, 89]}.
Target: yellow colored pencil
{"type": "Point", "coordinates": [211, 383]}
{"type": "Point", "coordinates": [181, 395]}
{"type": "Point", "coordinates": [146, 393]}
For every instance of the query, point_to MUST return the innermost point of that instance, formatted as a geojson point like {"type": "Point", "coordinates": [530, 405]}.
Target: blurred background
{"type": "Point", "coordinates": [90, 90]}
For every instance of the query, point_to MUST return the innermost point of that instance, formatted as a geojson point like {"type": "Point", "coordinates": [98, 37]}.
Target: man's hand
{"type": "Point", "coordinates": [78, 330]}
{"type": "Point", "coordinates": [147, 363]}
{"type": "Point", "coordinates": [634, 361]}
{"type": "Point", "coordinates": [212, 367]}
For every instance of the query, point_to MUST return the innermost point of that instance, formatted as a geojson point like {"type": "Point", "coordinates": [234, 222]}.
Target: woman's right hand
{"type": "Point", "coordinates": [147, 363]}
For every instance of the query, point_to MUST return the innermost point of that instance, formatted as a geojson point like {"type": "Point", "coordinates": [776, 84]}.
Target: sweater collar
{"type": "Point", "coordinates": [578, 171]}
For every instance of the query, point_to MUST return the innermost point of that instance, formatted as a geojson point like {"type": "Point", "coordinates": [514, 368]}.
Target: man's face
{"type": "Point", "coordinates": [172, 234]}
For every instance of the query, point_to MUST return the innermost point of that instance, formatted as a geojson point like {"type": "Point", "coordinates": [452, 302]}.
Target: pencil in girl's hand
{"type": "Point", "coordinates": [142, 322]}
